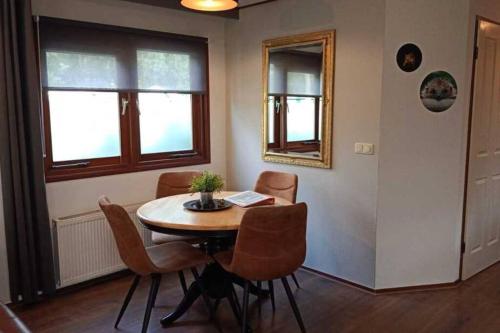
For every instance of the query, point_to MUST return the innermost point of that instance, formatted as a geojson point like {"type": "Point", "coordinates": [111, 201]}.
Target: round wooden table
{"type": "Point", "coordinates": [167, 215]}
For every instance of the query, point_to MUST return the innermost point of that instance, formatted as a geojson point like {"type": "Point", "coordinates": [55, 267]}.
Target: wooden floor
{"type": "Point", "coordinates": [326, 306]}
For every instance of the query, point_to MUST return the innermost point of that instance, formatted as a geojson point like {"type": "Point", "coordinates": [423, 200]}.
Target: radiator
{"type": "Point", "coordinates": [85, 248]}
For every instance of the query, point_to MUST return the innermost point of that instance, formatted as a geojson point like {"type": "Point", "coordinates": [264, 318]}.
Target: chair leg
{"type": "Point", "coordinates": [235, 307]}
{"type": "Point", "coordinates": [203, 291]}
{"type": "Point", "coordinates": [182, 279]}
{"type": "Point", "coordinates": [153, 290]}
{"type": "Point", "coordinates": [235, 297]}
{"type": "Point", "coordinates": [245, 307]}
{"type": "Point", "coordinates": [259, 296]}
{"type": "Point", "coordinates": [271, 293]}
{"type": "Point", "coordinates": [295, 280]}
{"type": "Point", "coordinates": [216, 304]}
{"type": "Point", "coordinates": [131, 291]}
{"type": "Point", "coordinates": [293, 304]}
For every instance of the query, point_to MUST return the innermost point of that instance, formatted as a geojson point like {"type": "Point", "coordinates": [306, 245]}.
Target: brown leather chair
{"type": "Point", "coordinates": [271, 244]}
{"type": "Point", "coordinates": [173, 183]}
{"type": "Point", "coordinates": [153, 262]}
{"type": "Point", "coordinates": [9, 323]}
{"type": "Point", "coordinates": [279, 184]}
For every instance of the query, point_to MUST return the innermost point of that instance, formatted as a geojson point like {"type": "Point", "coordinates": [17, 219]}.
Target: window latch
{"type": "Point", "coordinates": [124, 106]}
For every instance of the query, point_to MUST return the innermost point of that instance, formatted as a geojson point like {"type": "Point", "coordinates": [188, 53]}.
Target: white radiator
{"type": "Point", "coordinates": [85, 247]}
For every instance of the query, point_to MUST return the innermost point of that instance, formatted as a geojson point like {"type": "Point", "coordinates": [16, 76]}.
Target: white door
{"type": "Point", "coordinates": [482, 220]}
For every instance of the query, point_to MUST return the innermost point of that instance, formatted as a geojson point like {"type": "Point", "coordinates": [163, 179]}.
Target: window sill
{"type": "Point", "coordinates": [72, 173]}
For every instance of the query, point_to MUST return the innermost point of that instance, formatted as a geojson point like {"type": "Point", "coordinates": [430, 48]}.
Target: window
{"type": "Point", "coordinates": [294, 104]}
{"type": "Point", "coordinates": [166, 122]}
{"type": "Point", "coordinates": [91, 124]}
{"type": "Point", "coordinates": [301, 119]}
{"type": "Point", "coordinates": [299, 128]}
{"type": "Point", "coordinates": [121, 100]}
{"type": "Point", "coordinates": [270, 120]}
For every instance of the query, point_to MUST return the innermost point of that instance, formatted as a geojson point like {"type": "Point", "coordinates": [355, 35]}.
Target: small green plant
{"type": "Point", "coordinates": [207, 182]}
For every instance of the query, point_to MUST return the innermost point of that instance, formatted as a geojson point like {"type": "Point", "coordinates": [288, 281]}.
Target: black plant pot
{"type": "Point", "coordinates": [207, 199]}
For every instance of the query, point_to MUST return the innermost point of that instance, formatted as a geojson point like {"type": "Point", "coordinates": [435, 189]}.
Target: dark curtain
{"type": "Point", "coordinates": [27, 225]}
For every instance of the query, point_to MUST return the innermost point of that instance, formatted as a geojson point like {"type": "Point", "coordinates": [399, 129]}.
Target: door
{"type": "Point", "coordinates": [482, 217]}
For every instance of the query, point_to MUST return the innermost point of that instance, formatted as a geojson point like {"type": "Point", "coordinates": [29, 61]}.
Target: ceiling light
{"type": "Point", "coordinates": [210, 5]}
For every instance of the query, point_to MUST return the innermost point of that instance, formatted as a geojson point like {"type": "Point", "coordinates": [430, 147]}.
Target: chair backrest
{"type": "Point", "coordinates": [130, 245]}
{"type": "Point", "coordinates": [279, 184]}
{"type": "Point", "coordinates": [173, 183]}
{"type": "Point", "coordinates": [271, 242]}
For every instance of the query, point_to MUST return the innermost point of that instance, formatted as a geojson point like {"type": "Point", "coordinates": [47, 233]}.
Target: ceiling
{"type": "Point", "coordinates": [248, 2]}
{"type": "Point", "coordinates": [175, 4]}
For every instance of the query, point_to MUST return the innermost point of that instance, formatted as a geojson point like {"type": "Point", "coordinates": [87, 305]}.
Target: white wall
{"type": "Point", "coordinates": [4, 269]}
{"type": "Point", "coordinates": [388, 220]}
{"type": "Point", "coordinates": [71, 197]}
{"type": "Point", "coordinates": [489, 9]}
{"type": "Point", "coordinates": [422, 154]}
{"type": "Point", "coordinates": [342, 201]}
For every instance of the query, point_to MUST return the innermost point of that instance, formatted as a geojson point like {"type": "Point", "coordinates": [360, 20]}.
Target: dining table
{"type": "Point", "coordinates": [218, 228]}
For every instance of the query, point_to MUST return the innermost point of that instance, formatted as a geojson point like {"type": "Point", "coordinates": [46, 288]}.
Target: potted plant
{"type": "Point", "coordinates": [207, 183]}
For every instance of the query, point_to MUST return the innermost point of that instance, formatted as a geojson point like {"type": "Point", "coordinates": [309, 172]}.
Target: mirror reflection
{"type": "Point", "coordinates": [295, 99]}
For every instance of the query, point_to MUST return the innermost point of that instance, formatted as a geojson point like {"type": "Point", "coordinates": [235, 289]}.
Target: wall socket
{"type": "Point", "coordinates": [364, 148]}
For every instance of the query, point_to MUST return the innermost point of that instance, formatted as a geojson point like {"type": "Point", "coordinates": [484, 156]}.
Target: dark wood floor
{"type": "Point", "coordinates": [326, 306]}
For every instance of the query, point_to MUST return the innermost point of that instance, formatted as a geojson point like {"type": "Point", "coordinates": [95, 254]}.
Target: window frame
{"type": "Point", "coordinates": [281, 143]}
{"type": "Point", "coordinates": [131, 159]}
{"type": "Point", "coordinates": [200, 154]}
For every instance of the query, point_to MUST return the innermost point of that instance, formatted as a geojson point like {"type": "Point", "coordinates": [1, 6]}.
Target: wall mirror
{"type": "Point", "coordinates": [298, 76]}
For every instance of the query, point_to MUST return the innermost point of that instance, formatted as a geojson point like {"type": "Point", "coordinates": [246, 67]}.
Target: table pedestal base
{"type": "Point", "coordinates": [218, 284]}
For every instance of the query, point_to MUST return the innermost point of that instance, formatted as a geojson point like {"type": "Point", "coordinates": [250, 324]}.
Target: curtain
{"type": "Point", "coordinates": [29, 246]}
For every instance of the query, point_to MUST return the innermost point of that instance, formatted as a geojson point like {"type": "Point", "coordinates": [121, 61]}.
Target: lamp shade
{"type": "Point", "coordinates": [210, 5]}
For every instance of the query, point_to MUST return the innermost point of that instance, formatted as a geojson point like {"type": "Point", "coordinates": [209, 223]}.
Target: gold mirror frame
{"type": "Point", "coordinates": [327, 38]}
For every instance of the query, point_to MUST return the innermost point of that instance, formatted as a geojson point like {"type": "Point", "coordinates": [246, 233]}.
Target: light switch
{"type": "Point", "coordinates": [358, 148]}
{"type": "Point", "coordinates": [368, 148]}
{"type": "Point", "coordinates": [364, 148]}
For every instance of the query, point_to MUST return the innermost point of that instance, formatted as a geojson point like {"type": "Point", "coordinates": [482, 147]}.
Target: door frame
{"type": "Point", "coordinates": [479, 19]}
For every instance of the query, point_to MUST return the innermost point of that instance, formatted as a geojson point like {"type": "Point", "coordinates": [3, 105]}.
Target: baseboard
{"type": "Point", "coordinates": [477, 273]}
{"type": "Point", "coordinates": [337, 279]}
{"type": "Point", "coordinates": [383, 291]}
{"type": "Point", "coordinates": [419, 288]}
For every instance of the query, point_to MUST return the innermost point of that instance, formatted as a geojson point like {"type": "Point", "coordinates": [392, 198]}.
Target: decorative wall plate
{"type": "Point", "coordinates": [409, 57]}
{"type": "Point", "coordinates": [438, 91]}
